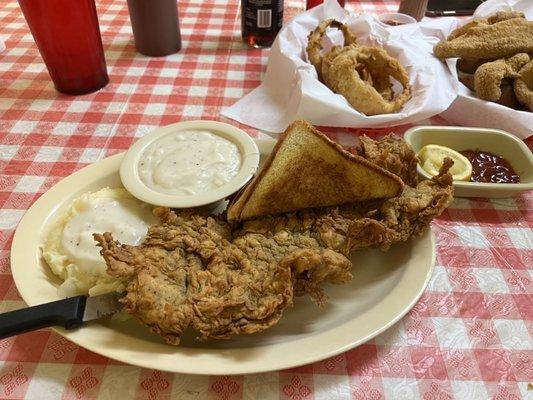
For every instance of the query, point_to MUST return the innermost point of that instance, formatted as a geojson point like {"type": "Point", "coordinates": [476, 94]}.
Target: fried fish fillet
{"type": "Point", "coordinates": [494, 18]}
{"type": "Point", "coordinates": [504, 15]}
{"type": "Point", "coordinates": [489, 76]}
{"type": "Point", "coordinates": [523, 86]}
{"type": "Point", "coordinates": [482, 39]}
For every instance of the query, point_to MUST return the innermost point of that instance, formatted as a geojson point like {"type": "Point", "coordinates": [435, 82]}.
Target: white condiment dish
{"type": "Point", "coordinates": [129, 171]}
{"type": "Point", "coordinates": [400, 18]}
{"type": "Point", "coordinates": [495, 141]}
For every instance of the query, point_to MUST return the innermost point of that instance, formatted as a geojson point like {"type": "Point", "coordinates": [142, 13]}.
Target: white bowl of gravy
{"type": "Point", "coordinates": [189, 164]}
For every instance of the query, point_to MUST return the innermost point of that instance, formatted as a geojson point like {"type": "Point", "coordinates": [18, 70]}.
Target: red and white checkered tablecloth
{"type": "Point", "coordinates": [469, 336]}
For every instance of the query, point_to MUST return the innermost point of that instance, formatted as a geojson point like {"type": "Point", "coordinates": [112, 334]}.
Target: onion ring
{"type": "Point", "coordinates": [314, 43]}
{"type": "Point", "coordinates": [346, 70]}
{"type": "Point", "coordinates": [379, 79]}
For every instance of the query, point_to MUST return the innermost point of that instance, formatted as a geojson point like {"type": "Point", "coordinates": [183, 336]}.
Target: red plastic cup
{"type": "Point", "coordinates": [68, 38]}
{"type": "Point", "coordinates": [313, 3]}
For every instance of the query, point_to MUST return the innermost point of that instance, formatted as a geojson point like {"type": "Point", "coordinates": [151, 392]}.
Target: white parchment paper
{"type": "Point", "coordinates": [469, 110]}
{"type": "Point", "coordinates": [290, 88]}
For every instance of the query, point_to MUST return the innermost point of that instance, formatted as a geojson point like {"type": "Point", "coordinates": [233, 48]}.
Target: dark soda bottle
{"type": "Point", "coordinates": [261, 21]}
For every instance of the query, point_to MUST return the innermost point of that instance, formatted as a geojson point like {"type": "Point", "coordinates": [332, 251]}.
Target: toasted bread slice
{"type": "Point", "coordinates": [306, 169]}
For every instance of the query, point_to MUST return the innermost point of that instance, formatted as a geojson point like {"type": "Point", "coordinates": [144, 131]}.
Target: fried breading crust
{"type": "Point", "coordinates": [314, 43]}
{"type": "Point", "coordinates": [361, 74]}
{"type": "Point", "coordinates": [392, 153]}
{"type": "Point", "coordinates": [400, 218]}
{"type": "Point", "coordinates": [493, 50]}
{"type": "Point", "coordinates": [489, 76]}
{"type": "Point", "coordinates": [195, 271]}
{"type": "Point", "coordinates": [523, 86]}
{"type": "Point", "coordinates": [480, 40]}
{"type": "Point", "coordinates": [504, 15]}
{"type": "Point", "coordinates": [190, 272]}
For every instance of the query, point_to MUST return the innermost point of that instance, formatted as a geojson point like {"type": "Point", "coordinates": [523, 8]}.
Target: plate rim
{"type": "Point", "coordinates": [183, 358]}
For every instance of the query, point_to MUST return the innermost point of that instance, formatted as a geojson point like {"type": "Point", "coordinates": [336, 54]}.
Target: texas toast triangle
{"type": "Point", "coordinates": [306, 169]}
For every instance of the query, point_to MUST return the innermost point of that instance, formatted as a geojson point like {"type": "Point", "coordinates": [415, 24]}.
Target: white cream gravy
{"type": "Point", "coordinates": [189, 162]}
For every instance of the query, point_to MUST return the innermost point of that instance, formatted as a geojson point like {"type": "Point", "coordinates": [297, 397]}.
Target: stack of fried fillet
{"type": "Point", "coordinates": [495, 58]}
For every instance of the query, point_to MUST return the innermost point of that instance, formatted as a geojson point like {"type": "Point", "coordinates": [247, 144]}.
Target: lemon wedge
{"type": "Point", "coordinates": [432, 156]}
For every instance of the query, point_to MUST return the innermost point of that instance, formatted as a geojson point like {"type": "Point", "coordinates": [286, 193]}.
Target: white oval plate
{"type": "Point", "coordinates": [385, 287]}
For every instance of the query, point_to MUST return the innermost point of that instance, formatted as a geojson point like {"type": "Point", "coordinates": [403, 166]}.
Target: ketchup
{"type": "Point", "coordinates": [490, 168]}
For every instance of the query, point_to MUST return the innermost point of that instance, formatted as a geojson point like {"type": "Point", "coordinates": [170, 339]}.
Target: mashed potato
{"type": "Point", "coordinates": [71, 251]}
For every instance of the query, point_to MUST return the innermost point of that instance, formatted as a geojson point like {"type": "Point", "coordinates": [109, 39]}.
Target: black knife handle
{"type": "Point", "coordinates": [67, 313]}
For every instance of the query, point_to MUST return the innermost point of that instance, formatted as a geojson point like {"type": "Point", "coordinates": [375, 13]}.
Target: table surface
{"type": "Point", "coordinates": [469, 336]}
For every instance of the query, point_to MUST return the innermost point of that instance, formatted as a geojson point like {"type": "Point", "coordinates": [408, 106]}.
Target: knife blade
{"type": "Point", "coordinates": [69, 313]}
{"type": "Point", "coordinates": [102, 305]}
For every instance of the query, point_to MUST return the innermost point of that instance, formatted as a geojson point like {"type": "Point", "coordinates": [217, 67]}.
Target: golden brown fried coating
{"type": "Point", "coordinates": [343, 72]}
{"type": "Point", "coordinates": [383, 84]}
{"type": "Point", "coordinates": [361, 74]}
{"type": "Point", "coordinates": [314, 44]}
{"type": "Point", "coordinates": [393, 154]}
{"type": "Point", "coordinates": [466, 27]}
{"type": "Point", "coordinates": [327, 63]}
{"type": "Point", "coordinates": [504, 15]}
{"type": "Point", "coordinates": [489, 76]}
{"type": "Point", "coordinates": [493, 50]}
{"type": "Point", "coordinates": [523, 86]}
{"type": "Point", "coordinates": [479, 40]}
{"type": "Point", "coordinates": [508, 97]}
{"type": "Point", "coordinates": [191, 271]}
{"type": "Point", "coordinates": [400, 218]}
